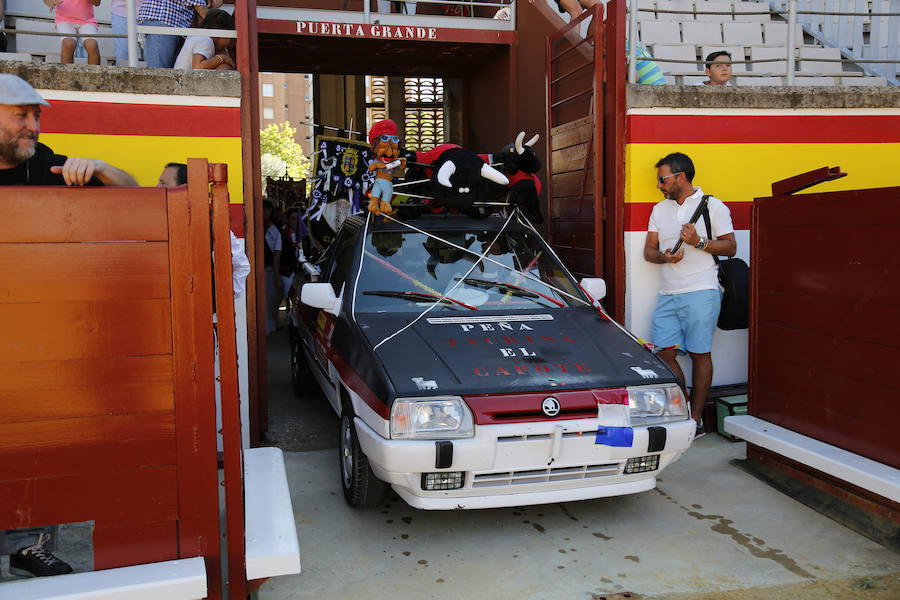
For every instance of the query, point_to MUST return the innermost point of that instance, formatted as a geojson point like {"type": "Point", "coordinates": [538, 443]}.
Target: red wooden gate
{"type": "Point", "coordinates": [107, 401]}
{"type": "Point", "coordinates": [586, 80]}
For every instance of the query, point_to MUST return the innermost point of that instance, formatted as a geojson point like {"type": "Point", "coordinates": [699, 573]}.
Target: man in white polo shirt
{"type": "Point", "coordinates": [689, 301]}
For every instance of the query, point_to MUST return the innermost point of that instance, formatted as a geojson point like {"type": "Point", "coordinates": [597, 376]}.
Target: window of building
{"type": "Point", "coordinates": [423, 112]}
{"type": "Point", "coordinates": [268, 90]}
{"type": "Point", "coordinates": [268, 112]}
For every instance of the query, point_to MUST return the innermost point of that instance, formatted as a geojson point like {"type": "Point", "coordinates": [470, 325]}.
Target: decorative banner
{"type": "Point", "coordinates": [341, 173]}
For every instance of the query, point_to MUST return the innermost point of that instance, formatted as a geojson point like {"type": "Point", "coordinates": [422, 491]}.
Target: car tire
{"type": "Point", "coordinates": [301, 376]}
{"type": "Point", "coordinates": [361, 488]}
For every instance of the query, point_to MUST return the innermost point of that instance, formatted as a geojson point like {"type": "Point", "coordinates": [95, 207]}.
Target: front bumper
{"type": "Point", "coordinates": [522, 463]}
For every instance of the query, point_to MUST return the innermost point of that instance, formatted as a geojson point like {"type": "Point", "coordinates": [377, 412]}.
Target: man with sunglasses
{"type": "Point", "coordinates": [689, 301]}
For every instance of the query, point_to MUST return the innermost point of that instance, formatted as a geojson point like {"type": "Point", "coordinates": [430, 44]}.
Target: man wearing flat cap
{"type": "Point", "coordinates": [25, 161]}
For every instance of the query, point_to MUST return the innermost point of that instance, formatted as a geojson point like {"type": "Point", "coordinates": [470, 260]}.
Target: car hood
{"type": "Point", "coordinates": [463, 353]}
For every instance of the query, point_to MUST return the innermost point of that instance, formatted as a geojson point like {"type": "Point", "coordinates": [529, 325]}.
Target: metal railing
{"type": "Point", "coordinates": [828, 27]}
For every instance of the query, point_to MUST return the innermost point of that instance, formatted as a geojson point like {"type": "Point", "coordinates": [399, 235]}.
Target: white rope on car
{"type": "Point", "coordinates": [456, 285]}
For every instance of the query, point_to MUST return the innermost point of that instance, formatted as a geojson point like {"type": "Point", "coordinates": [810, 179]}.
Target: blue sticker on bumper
{"type": "Point", "coordinates": [615, 436]}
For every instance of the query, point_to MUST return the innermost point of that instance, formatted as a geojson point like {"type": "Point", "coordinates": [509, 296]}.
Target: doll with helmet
{"type": "Point", "coordinates": [386, 148]}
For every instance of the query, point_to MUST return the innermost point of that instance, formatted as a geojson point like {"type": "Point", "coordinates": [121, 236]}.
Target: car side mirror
{"type": "Point", "coordinates": [595, 287]}
{"type": "Point", "coordinates": [320, 295]}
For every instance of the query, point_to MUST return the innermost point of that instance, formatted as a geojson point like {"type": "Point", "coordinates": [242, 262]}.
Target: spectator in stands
{"type": "Point", "coordinates": [175, 174]}
{"type": "Point", "coordinates": [272, 247]}
{"type": "Point", "coordinates": [203, 52]}
{"type": "Point", "coordinates": [384, 7]}
{"type": "Point", "coordinates": [76, 17]}
{"type": "Point", "coordinates": [119, 19]}
{"type": "Point", "coordinates": [688, 305]}
{"type": "Point", "coordinates": [25, 161]}
{"type": "Point", "coordinates": [718, 69]}
{"type": "Point", "coordinates": [160, 50]}
{"type": "Point", "coordinates": [647, 71]}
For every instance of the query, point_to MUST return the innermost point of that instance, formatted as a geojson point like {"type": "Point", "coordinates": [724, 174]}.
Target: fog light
{"type": "Point", "coordinates": [443, 481]}
{"type": "Point", "coordinates": [642, 464]}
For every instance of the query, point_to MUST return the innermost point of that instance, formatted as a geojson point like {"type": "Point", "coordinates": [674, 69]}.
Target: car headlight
{"type": "Point", "coordinates": [656, 404]}
{"type": "Point", "coordinates": [431, 418]}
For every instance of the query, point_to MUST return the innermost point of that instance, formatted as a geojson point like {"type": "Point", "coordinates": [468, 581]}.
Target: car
{"type": "Point", "coordinates": [470, 370]}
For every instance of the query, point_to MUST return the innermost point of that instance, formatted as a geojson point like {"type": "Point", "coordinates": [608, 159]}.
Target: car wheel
{"type": "Point", "coordinates": [300, 373]}
{"type": "Point", "coordinates": [361, 488]}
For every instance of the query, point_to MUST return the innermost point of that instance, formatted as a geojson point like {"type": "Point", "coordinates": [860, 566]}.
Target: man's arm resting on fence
{"type": "Point", "coordinates": [79, 171]}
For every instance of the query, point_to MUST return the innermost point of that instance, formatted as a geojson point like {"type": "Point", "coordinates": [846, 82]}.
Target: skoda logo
{"type": "Point", "coordinates": [550, 406]}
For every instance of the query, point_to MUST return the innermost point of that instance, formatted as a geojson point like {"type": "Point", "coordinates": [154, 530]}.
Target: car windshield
{"type": "Point", "coordinates": [406, 271]}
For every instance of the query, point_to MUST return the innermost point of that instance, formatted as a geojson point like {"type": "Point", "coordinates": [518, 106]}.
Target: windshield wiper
{"type": "Point", "coordinates": [509, 288]}
{"type": "Point", "coordinates": [418, 297]}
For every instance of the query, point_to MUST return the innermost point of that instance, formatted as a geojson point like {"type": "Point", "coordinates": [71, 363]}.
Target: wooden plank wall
{"type": "Point", "coordinates": [573, 202]}
{"type": "Point", "coordinates": [825, 331]}
{"type": "Point", "coordinates": [105, 411]}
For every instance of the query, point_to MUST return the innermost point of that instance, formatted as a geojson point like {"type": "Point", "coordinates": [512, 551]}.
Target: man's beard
{"type": "Point", "coordinates": [12, 152]}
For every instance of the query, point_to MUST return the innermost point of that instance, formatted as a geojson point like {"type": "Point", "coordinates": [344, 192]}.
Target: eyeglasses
{"type": "Point", "coordinates": [662, 179]}
{"type": "Point", "coordinates": [721, 64]}
{"type": "Point", "coordinates": [389, 138]}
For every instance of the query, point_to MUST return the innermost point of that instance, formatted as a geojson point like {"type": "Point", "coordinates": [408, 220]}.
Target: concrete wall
{"type": "Point", "coordinates": [741, 141]}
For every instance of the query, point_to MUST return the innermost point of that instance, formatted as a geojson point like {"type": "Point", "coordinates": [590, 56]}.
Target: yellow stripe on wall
{"type": "Point", "coordinates": [742, 172]}
{"type": "Point", "coordinates": [145, 156]}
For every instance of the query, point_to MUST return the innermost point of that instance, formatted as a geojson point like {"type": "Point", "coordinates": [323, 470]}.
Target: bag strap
{"type": "Point", "coordinates": [705, 215]}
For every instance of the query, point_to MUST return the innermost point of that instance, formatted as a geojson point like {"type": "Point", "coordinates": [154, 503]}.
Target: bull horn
{"type": "Point", "coordinates": [489, 172]}
{"type": "Point", "coordinates": [519, 138]}
{"type": "Point", "coordinates": [533, 140]}
{"type": "Point", "coordinates": [447, 169]}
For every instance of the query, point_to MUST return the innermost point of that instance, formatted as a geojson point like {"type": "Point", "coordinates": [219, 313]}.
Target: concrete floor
{"type": "Point", "coordinates": [709, 527]}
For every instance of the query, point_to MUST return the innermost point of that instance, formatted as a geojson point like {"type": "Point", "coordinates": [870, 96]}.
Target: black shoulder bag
{"type": "Point", "coordinates": [734, 277]}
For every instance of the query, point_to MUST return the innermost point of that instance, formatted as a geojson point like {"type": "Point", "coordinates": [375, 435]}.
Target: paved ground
{"type": "Point", "coordinates": [709, 530]}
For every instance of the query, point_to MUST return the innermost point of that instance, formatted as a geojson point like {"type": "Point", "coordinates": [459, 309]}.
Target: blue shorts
{"type": "Point", "coordinates": [688, 320]}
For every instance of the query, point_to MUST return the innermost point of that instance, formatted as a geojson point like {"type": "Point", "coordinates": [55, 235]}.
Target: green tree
{"type": "Point", "coordinates": [278, 140]}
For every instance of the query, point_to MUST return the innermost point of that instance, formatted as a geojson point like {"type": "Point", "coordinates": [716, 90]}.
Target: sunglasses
{"type": "Point", "coordinates": [663, 178]}
{"type": "Point", "coordinates": [389, 138]}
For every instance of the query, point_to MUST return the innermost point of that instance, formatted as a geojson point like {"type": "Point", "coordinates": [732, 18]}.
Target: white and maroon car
{"type": "Point", "coordinates": [512, 389]}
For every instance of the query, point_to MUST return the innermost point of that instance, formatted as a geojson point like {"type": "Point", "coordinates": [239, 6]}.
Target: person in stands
{"type": "Point", "coordinates": [25, 161]}
{"type": "Point", "coordinates": [688, 305]}
{"type": "Point", "coordinates": [160, 50]}
{"type": "Point", "coordinates": [204, 52]}
{"type": "Point", "coordinates": [119, 21]}
{"type": "Point", "coordinates": [76, 18]}
{"type": "Point", "coordinates": [718, 68]}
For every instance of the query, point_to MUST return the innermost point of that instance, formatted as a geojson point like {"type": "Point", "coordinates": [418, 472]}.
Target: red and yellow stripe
{"type": "Point", "coordinates": [739, 153]}
{"type": "Point", "coordinates": [140, 133]}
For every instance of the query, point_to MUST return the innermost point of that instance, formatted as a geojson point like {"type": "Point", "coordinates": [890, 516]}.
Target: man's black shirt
{"type": "Point", "coordinates": [36, 170]}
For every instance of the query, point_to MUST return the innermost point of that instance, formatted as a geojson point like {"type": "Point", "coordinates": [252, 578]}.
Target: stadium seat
{"type": "Point", "coordinates": [809, 63]}
{"type": "Point", "coordinates": [769, 52]}
{"type": "Point", "coordinates": [659, 32]}
{"type": "Point", "coordinates": [702, 32]}
{"type": "Point", "coordinates": [681, 5]}
{"type": "Point", "coordinates": [776, 34]}
{"type": "Point", "coordinates": [751, 11]}
{"type": "Point", "coordinates": [693, 79]}
{"type": "Point", "coordinates": [864, 81]}
{"type": "Point", "coordinates": [742, 34]}
{"type": "Point", "coordinates": [685, 53]}
{"type": "Point", "coordinates": [813, 81]}
{"type": "Point", "coordinates": [647, 10]}
{"type": "Point", "coordinates": [714, 6]}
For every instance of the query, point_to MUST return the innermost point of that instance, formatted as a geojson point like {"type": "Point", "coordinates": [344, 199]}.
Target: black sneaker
{"type": "Point", "coordinates": [701, 431]}
{"type": "Point", "coordinates": [36, 561]}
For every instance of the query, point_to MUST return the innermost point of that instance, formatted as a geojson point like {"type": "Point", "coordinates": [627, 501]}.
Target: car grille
{"type": "Point", "coordinates": [548, 475]}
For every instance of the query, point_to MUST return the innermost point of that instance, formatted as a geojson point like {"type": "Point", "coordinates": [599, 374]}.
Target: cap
{"type": "Point", "coordinates": [380, 128]}
{"type": "Point", "coordinates": [15, 91]}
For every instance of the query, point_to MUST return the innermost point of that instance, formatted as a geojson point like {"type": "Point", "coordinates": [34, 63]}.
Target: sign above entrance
{"type": "Point", "coordinates": [383, 31]}
{"type": "Point", "coordinates": [366, 30]}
